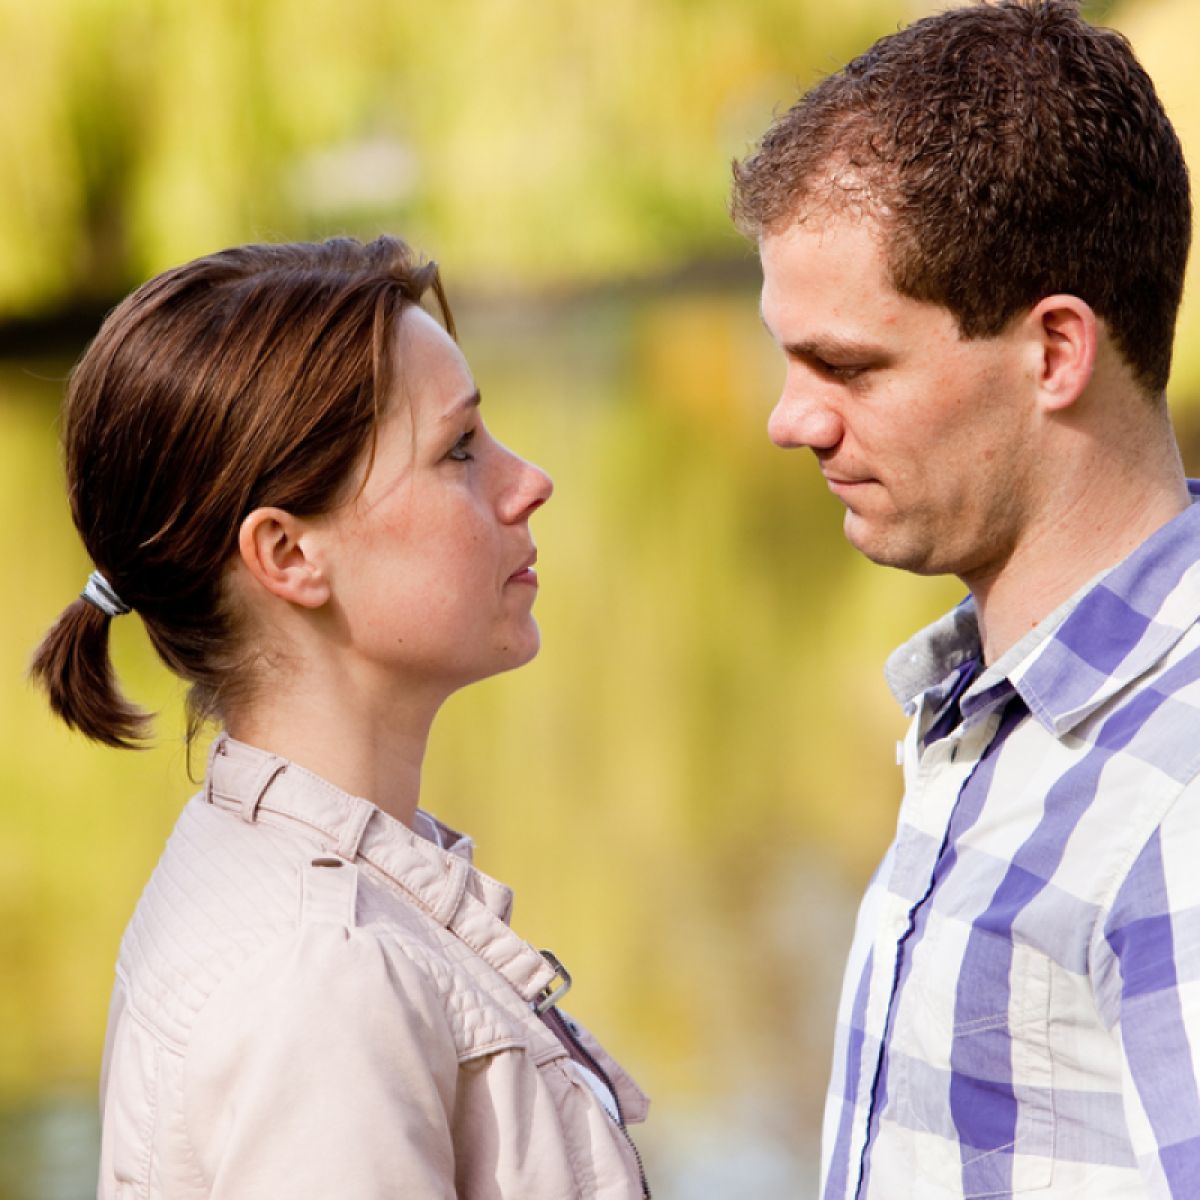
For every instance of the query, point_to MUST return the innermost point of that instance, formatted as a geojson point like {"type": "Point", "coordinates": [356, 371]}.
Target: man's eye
{"type": "Point", "coordinates": [461, 451]}
{"type": "Point", "coordinates": [835, 371]}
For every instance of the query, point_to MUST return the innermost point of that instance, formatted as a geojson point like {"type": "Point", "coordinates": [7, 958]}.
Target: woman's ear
{"type": "Point", "coordinates": [1068, 333]}
{"type": "Point", "coordinates": [276, 550]}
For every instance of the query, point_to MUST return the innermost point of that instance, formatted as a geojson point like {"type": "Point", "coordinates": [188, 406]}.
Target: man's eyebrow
{"type": "Point", "coordinates": [833, 348]}
{"type": "Point", "coordinates": [826, 346]}
{"type": "Point", "coordinates": [474, 400]}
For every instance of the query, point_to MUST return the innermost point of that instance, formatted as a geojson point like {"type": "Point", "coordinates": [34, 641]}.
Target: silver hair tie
{"type": "Point", "coordinates": [100, 593]}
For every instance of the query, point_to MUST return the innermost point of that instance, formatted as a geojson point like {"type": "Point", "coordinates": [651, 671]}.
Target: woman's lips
{"type": "Point", "coordinates": [525, 573]}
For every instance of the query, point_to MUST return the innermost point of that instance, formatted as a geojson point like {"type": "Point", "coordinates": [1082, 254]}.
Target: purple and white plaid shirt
{"type": "Point", "coordinates": [1021, 1011]}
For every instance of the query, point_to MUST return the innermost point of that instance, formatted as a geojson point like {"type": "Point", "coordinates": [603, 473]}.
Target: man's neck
{"type": "Point", "coordinates": [1088, 532]}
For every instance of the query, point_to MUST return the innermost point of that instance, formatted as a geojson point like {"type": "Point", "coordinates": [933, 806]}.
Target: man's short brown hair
{"type": "Point", "coordinates": [1014, 151]}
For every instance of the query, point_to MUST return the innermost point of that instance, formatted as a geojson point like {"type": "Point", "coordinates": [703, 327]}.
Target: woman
{"type": "Point", "coordinates": [276, 458]}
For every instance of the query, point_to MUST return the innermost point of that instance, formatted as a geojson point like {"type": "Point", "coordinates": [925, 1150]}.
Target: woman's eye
{"type": "Point", "coordinates": [461, 451]}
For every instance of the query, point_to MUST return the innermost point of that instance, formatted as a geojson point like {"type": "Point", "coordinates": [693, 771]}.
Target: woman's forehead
{"type": "Point", "coordinates": [431, 371]}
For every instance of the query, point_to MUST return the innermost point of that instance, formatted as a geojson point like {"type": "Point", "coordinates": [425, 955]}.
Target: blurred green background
{"type": "Point", "coordinates": [690, 785]}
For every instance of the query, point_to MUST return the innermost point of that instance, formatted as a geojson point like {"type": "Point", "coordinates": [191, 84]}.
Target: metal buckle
{"type": "Point", "coordinates": [550, 995]}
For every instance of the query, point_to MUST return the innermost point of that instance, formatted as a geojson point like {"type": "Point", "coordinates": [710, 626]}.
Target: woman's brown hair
{"type": "Point", "coordinates": [255, 376]}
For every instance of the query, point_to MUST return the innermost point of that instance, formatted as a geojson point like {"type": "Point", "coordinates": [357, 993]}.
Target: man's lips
{"type": "Point", "coordinates": [839, 484]}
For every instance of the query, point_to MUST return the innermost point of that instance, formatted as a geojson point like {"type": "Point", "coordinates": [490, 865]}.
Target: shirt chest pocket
{"type": "Point", "coordinates": [971, 1063]}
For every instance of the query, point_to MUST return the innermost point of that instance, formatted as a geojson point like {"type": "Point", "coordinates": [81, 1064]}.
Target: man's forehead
{"type": "Point", "coordinates": [841, 258]}
{"type": "Point", "coordinates": [819, 222]}
{"type": "Point", "coordinates": [828, 291]}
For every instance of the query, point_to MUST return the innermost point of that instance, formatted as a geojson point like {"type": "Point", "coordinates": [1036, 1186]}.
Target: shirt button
{"type": "Point", "coordinates": [954, 752]}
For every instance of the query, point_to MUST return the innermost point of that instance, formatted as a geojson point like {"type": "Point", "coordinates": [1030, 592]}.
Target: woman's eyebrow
{"type": "Point", "coordinates": [474, 400]}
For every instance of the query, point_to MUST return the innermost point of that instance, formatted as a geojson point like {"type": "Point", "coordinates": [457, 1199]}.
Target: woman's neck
{"type": "Point", "coordinates": [359, 744]}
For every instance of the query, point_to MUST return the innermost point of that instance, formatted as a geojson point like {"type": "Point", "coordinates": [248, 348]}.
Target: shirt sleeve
{"type": "Point", "coordinates": [324, 1067]}
{"type": "Point", "coordinates": [1153, 934]}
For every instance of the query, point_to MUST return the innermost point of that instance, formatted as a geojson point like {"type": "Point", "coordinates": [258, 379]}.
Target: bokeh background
{"type": "Point", "coordinates": [690, 785]}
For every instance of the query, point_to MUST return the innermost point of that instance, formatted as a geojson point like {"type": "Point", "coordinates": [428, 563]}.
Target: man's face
{"type": "Point", "coordinates": [927, 439]}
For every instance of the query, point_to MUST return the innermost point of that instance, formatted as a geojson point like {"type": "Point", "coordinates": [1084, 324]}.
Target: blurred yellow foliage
{"type": "Point", "coordinates": [691, 782]}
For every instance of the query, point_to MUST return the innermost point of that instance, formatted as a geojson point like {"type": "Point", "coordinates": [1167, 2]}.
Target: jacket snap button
{"type": "Point", "coordinates": [327, 862]}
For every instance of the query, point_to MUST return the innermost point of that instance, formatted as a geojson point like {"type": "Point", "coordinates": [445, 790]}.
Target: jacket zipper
{"type": "Point", "coordinates": [563, 1028]}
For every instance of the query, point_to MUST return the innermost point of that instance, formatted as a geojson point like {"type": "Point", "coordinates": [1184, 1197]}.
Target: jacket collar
{"type": "Point", "coordinates": [1116, 628]}
{"type": "Point", "coordinates": [438, 879]}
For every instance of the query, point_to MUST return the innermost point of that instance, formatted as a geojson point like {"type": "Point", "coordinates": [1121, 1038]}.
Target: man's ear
{"type": "Point", "coordinates": [1068, 334]}
{"type": "Point", "coordinates": [277, 552]}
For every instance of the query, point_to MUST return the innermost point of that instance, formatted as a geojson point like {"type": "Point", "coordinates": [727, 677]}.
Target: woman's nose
{"type": "Point", "coordinates": [531, 489]}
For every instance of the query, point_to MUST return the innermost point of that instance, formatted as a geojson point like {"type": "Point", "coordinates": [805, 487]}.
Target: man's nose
{"type": "Point", "coordinates": [800, 419]}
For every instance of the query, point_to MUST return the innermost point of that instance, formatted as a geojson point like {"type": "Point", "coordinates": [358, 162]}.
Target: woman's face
{"type": "Point", "coordinates": [431, 563]}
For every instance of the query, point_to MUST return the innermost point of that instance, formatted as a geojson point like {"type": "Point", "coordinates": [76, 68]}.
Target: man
{"type": "Point", "coordinates": [973, 242]}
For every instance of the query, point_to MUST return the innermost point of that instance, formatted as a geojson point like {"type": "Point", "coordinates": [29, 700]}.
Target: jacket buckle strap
{"type": "Point", "coordinates": [556, 989]}
{"type": "Point", "coordinates": [353, 828]}
{"type": "Point", "coordinates": [217, 748]}
{"type": "Point", "coordinates": [454, 891]}
{"type": "Point", "coordinates": [264, 776]}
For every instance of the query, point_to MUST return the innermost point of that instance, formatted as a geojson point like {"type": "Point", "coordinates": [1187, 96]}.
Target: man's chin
{"type": "Point", "coordinates": [887, 548]}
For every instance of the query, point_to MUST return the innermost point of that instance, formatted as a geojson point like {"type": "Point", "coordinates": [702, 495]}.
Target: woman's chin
{"type": "Point", "coordinates": [523, 649]}
{"type": "Point", "coordinates": [506, 655]}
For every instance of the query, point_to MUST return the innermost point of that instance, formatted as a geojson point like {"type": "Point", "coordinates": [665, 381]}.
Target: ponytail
{"type": "Point", "coordinates": [73, 666]}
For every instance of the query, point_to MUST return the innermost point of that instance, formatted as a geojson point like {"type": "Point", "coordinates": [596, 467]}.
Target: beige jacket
{"type": "Point", "coordinates": [314, 1001]}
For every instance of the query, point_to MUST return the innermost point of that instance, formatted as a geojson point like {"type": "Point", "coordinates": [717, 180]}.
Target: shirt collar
{"type": "Point", "coordinates": [1113, 630]}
